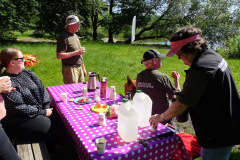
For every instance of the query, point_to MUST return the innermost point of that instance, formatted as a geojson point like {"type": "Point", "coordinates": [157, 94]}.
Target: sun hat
{"type": "Point", "coordinates": [177, 45]}
{"type": "Point", "coordinates": [152, 53]}
{"type": "Point", "coordinates": [71, 19]}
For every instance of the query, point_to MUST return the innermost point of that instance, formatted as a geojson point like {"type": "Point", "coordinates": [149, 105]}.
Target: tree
{"type": "Point", "coordinates": [121, 13]}
{"type": "Point", "coordinates": [110, 28]}
{"type": "Point", "coordinates": [13, 16]}
{"type": "Point", "coordinates": [52, 14]}
{"type": "Point", "coordinates": [216, 18]}
{"type": "Point", "coordinates": [97, 8]}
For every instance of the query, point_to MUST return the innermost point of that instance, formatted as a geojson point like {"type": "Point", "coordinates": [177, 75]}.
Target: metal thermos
{"type": "Point", "coordinates": [92, 81]}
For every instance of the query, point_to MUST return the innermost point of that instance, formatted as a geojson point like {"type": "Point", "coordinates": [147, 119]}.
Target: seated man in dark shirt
{"type": "Point", "coordinates": [157, 85]}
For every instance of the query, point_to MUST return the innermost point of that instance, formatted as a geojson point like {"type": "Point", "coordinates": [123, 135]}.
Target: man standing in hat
{"type": "Point", "coordinates": [70, 52]}
{"type": "Point", "coordinates": [156, 84]}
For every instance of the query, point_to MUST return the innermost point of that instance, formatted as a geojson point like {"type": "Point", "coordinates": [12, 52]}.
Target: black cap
{"type": "Point", "coordinates": [152, 53]}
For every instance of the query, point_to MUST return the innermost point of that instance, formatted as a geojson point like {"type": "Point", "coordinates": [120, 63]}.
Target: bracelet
{"type": "Point", "coordinates": [161, 116]}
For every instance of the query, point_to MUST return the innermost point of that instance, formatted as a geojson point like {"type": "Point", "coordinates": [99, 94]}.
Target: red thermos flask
{"type": "Point", "coordinates": [104, 86]}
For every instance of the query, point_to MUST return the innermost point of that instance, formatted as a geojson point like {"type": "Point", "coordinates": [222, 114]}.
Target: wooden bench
{"type": "Point", "coordinates": [30, 150]}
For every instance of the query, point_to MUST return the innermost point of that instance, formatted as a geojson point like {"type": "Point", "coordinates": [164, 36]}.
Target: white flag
{"type": "Point", "coordinates": [133, 29]}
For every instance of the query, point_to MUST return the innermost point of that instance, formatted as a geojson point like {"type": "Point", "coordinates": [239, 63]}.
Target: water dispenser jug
{"type": "Point", "coordinates": [127, 121]}
{"type": "Point", "coordinates": [143, 104]}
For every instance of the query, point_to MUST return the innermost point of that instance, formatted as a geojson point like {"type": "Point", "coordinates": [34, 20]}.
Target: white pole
{"type": "Point", "coordinates": [133, 29]}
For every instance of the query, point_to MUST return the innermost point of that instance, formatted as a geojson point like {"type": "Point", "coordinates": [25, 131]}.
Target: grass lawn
{"type": "Point", "coordinates": [114, 61]}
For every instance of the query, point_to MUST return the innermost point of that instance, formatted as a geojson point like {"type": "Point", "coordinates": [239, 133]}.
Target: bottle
{"type": "Point", "coordinates": [84, 89]}
{"type": "Point", "coordinates": [112, 93]}
{"type": "Point", "coordinates": [127, 121]}
{"type": "Point", "coordinates": [97, 94]}
{"type": "Point", "coordinates": [128, 96]}
{"type": "Point", "coordinates": [104, 86]}
{"type": "Point", "coordinates": [143, 104]}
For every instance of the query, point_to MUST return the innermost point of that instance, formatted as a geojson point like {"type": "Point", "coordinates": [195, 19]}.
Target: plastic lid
{"type": "Point", "coordinates": [97, 87]}
{"type": "Point", "coordinates": [139, 91]}
{"type": "Point", "coordinates": [125, 100]}
{"type": "Point", "coordinates": [84, 82]}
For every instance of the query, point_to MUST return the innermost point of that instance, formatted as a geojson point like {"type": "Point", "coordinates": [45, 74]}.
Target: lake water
{"type": "Point", "coordinates": [160, 41]}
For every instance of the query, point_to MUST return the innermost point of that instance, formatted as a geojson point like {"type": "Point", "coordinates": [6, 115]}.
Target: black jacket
{"type": "Point", "coordinates": [216, 118]}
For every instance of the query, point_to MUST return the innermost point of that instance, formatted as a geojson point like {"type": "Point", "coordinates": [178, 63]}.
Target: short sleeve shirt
{"type": "Point", "coordinates": [158, 87]}
{"type": "Point", "coordinates": [193, 88]}
{"type": "Point", "coordinates": [69, 42]}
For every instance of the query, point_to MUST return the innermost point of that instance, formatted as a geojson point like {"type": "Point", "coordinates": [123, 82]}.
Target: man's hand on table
{"type": "Point", "coordinates": [49, 112]}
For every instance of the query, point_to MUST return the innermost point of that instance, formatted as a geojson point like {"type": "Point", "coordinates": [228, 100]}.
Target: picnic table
{"type": "Point", "coordinates": [84, 129]}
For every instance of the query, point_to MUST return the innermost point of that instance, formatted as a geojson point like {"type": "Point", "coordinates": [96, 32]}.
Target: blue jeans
{"type": "Point", "coordinates": [222, 153]}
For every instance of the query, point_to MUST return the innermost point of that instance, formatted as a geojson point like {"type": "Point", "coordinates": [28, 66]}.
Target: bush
{"type": "Point", "coordinates": [231, 49]}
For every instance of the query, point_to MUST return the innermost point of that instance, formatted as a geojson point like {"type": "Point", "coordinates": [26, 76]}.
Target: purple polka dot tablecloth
{"type": "Point", "coordinates": [84, 129]}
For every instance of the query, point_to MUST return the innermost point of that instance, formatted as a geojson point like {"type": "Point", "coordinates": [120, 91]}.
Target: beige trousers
{"type": "Point", "coordinates": [72, 74]}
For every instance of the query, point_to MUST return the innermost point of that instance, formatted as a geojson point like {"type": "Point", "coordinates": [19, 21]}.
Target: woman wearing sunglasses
{"type": "Point", "coordinates": [28, 106]}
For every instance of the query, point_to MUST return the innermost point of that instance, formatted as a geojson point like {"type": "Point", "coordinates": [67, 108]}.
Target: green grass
{"type": "Point", "coordinates": [114, 61]}
{"type": "Point", "coordinates": [26, 34]}
{"type": "Point", "coordinates": [29, 34]}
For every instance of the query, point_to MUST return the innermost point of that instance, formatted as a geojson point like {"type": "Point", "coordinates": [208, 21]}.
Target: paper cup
{"type": "Point", "coordinates": [4, 77]}
{"type": "Point", "coordinates": [64, 97]}
{"type": "Point", "coordinates": [154, 127]}
{"type": "Point", "coordinates": [101, 145]}
{"type": "Point", "coordinates": [97, 99]}
{"type": "Point", "coordinates": [101, 119]}
{"type": "Point", "coordinates": [112, 93]}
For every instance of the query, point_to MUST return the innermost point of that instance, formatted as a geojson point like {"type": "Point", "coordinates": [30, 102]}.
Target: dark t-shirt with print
{"type": "Point", "coordinates": [159, 88]}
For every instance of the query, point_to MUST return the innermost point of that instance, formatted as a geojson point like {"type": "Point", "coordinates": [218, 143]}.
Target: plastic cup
{"type": "Point", "coordinates": [101, 145]}
{"type": "Point", "coordinates": [85, 92]}
{"type": "Point", "coordinates": [64, 97]}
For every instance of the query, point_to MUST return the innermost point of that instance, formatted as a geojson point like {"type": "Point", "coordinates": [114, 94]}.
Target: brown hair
{"type": "Point", "coordinates": [6, 56]}
{"type": "Point", "coordinates": [192, 47]}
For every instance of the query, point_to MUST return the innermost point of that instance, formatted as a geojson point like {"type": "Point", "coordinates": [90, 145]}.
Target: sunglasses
{"type": "Point", "coordinates": [19, 59]}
